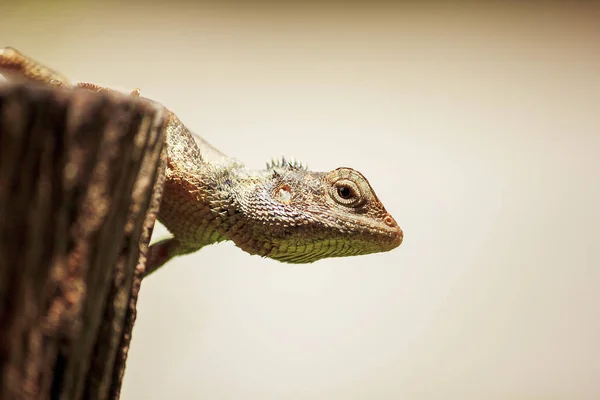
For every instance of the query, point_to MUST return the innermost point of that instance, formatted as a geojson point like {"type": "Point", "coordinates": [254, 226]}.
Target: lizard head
{"type": "Point", "coordinates": [297, 216]}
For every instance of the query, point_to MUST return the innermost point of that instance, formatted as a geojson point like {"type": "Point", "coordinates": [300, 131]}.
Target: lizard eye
{"type": "Point", "coordinates": [346, 193]}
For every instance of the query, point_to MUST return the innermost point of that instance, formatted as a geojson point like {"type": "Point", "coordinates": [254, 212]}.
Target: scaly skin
{"type": "Point", "coordinates": [284, 211]}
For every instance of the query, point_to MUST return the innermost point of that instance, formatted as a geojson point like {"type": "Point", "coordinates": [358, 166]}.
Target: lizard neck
{"type": "Point", "coordinates": [200, 204]}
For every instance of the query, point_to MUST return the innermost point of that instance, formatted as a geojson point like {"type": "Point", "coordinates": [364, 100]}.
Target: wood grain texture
{"type": "Point", "coordinates": [80, 174]}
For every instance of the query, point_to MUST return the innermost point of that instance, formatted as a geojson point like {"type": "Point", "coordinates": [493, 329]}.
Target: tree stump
{"type": "Point", "coordinates": [78, 201]}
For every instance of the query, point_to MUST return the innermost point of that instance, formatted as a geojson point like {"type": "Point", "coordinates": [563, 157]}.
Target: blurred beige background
{"type": "Point", "coordinates": [479, 128]}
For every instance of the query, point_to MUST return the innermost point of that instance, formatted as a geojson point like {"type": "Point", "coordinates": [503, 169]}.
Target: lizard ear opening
{"type": "Point", "coordinates": [283, 194]}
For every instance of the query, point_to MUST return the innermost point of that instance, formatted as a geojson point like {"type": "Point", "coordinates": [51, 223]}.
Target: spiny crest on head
{"type": "Point", "coordinates": [286, 163]}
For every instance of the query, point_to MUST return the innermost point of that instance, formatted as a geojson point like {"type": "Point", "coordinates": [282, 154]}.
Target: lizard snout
{"type": "Point", "coordinates": [398, 238]}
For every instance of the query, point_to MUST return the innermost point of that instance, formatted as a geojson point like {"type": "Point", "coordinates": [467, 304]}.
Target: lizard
{"type": "Point", "coordinates": [285, 211]}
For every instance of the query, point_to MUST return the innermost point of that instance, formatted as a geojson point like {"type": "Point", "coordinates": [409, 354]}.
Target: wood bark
{"type": "Point", "coordinates": [80, 180]}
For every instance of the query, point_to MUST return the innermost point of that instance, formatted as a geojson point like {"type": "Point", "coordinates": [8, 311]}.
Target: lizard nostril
{"type": "Point", "coordinates": [389, 221]}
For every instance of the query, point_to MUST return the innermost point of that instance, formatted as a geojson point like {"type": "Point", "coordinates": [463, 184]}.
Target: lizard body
{"type": "Point", "coordinates": [284, 211]}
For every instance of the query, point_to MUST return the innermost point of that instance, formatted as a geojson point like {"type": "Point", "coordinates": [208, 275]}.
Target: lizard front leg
{"type": "Point", "coordinates": [16, 66]}
{"type": "Point", "coordinates": [97, 88]}
{"type": "Point", "coordinates": [161, 252]}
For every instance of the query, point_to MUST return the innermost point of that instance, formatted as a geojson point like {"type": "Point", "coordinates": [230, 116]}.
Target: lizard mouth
{"type": "Point", "coordinates": [389, 239]}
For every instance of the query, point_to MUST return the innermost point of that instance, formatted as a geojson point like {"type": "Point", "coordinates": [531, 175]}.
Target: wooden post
{"type": "Point", "coordinates": [79, 173]}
